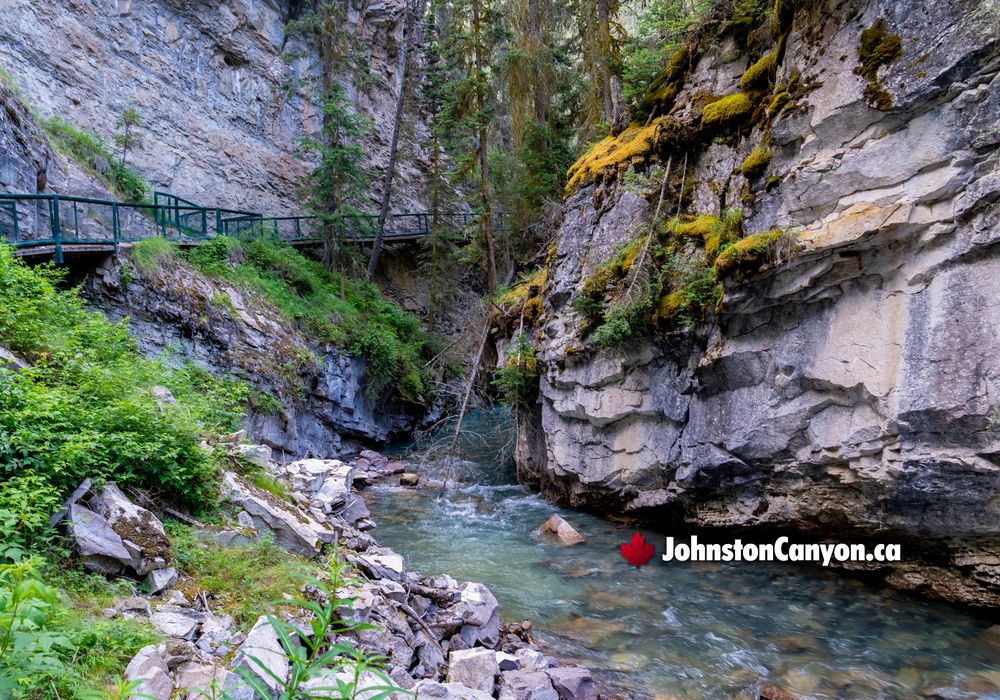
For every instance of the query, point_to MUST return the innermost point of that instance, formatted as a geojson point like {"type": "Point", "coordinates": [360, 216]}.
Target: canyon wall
{"type": "Point", "coordinates": [848, 389]}
{"type": "Point", "coordinates": [224, 90]}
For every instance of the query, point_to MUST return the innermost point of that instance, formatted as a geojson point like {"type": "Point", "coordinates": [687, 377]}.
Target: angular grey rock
{"type": "Point", "coordinates": [526, 685]}
{"type": "Point", "coordinates": [134, 606]}
{"type": "Point", "coordinates": [216, 636]}
{"type": "Point", "coordinates": [292, 529]}
{"type": "Point", "coordinates": [409, 479]}
{"type": "Point", "coordinates": [259, 455]}
{"type": "Point", "coordinates": [160, 579]}
{"type": "Point", "coordinates": [507, 662]}
{"type": "Point", "coordinates": [392, 590]}
{"type": "Point", "coordinates": [149, 667]}
{"type": "Point", "coordinates": [531, 659]}
{"type": "Point", "coordinates": [431, 690]}
{"type": "Point", "coordinates": [163, 396]}
{"type": "Point", "coordinates": [480, 614]}
{"type": "Point", "coordinates": [141, 532]}
{"type": "Point", "coordinates": [572, 683]}
{"type": "Point", "coordinates": [473, 668]}
{"type": "Point", "coordinates": [355, 511]}
{"type": "Point", "coordinates": [175, 624]}
{"type": "Point", "coordinates": [262, 650]}
{"type": "Point", "coordinates": [100, 547]}
{"type": "Point", "coordinates": [197, 678]}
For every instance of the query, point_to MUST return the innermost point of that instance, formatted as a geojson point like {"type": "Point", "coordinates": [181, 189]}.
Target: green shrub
{"type": "Point", "coordinates": [87, 149]}
{"type": "Point", "coordinates": [86, 408]}
{"type": "Point", "coordinates": [517, 380]}
{"type": "Point", "coordinates": [153, 253]}
{"type": "Point", "coordinates": [26, 502]}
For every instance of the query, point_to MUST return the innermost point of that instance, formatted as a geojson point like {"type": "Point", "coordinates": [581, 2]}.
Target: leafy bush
{"type": "Point", "coordinates": [87, 407]}
{"type": "Point", "coordinates": [26, 502]}
{"type": "Point", "coordinates": [48, 649]}
{"type": "Point", "coordinates": [517, 380]}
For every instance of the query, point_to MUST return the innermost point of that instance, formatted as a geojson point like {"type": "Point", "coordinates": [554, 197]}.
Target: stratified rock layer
{"type": "Point", "coordinates": [851, 391]}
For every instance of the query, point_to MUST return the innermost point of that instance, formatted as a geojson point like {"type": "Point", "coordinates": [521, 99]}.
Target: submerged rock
{"type": "Point", "coordinates": [566, 533]}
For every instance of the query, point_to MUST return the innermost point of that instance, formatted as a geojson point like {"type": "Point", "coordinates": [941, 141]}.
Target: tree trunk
{"type": "Point", "coordinates": [535, 27]}
{"type": "Point", "coordinates": [409, 35]}
{"type": "Point", "coordinates": [486, 215]}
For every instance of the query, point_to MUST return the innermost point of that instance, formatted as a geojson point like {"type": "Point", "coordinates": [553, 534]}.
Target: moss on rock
{"type": "Point", "coordinates": [756, 163]}
{"type": "Point", "coordinates": [746, 254]}
{"type": "Point", "coordinates": [876, 49]}
{"type": "Point", "coordinates": [614, 154]}
{"type": "Point", "coordinates": [760, 74]}
{"type": "Point", "coordinates": [727, 112]}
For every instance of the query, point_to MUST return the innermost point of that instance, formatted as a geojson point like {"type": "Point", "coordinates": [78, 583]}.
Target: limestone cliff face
{"type": "Point", "coordinates": [851, 390]}
{"type": "Point", "coordinates": [224, 91]}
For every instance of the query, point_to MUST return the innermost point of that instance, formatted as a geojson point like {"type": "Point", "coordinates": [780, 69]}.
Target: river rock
{"type": "Point", "coordinates": [262, 650]}
{"type": "Point", "coordinates": [566, 533]}
{"type": "Point", "coordinates": [293, 530]}
{"type": "Point", "coordinates": [480, 613]}
{"type": "Point", "coordinates": [572, 683]}
{"type": "Point", "coordinates": [409, 479]}
{"type": "Point", "coordinates": [507, 662]}
{"type": "Point", "coordinates": [531, 659]}
{"type": "Point", "coordinates": [770, 692]}
{"type": "Point", "coordinates": [142, 534]}
{"type": "Point", "coordinates": [473, 668]}
{"type": "Point", "coordinates": [526, 685]}
{"type": "Point", "coordinates": [430, 690]}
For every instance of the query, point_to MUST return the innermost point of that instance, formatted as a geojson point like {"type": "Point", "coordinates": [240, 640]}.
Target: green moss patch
{"type": "Point", "coordinates": [760, 74]}
{"type": "Point", "coordinates": [746, 254]}
{"type": "Point", "coordinates": [876, 49]}
{"type": "Point", "coordinates": [756, 163]}
{"type": "Point", "coordinates": [731, 110]}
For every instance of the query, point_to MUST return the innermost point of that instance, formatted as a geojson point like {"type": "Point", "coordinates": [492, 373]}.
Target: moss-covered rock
{"type": "Point", "coordinates": [660, 94]}
{"type": "Point", "coordinates": [699, 226]}
{"type": "Point", "coordinates": [746, 254]}
{"type": "Point", "coordinates": [756, 163]}
{"type": "Point", "coordinates": [760, 74]}
{"type": "Point", "coordinates": [731, 110]}
{"type": "Point", "coordinates": [614, 154]}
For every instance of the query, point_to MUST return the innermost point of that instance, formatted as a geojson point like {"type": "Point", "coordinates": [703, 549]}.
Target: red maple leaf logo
{"type": "Point", "coordinates": [638, 551]}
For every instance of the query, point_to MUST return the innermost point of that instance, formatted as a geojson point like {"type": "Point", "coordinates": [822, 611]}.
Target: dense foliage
{"type": "Point", "coordinates": [90, 406]}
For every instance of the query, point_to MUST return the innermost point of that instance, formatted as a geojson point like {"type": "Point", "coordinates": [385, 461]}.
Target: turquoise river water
{"type": "Point", "coordinates": [695, 631]}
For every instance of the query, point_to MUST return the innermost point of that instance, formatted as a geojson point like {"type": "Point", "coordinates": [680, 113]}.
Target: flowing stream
{"type": "Point", "coordinates": [694, 631]}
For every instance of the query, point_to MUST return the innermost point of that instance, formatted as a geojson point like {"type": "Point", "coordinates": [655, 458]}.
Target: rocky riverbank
{"type": "Point", "coordinates": [441, 638]}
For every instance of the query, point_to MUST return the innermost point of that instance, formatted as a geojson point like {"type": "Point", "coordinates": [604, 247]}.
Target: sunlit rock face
{"type": "Point", "coordinates": [224, 89]}
{"type": "Point", "coordinates": [851, 390]}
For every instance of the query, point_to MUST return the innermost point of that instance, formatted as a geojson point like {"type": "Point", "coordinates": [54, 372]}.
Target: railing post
{"type": "Point", "coordinates": [56, 231]}
{"type": "Point", "coordinates": [218, 222]}
{"type": "Point", "coordinates": [116, 230]}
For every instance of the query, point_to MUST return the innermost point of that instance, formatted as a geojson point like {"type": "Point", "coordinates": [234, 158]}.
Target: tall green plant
{"type": "Point", "coordinates": [322, 663]}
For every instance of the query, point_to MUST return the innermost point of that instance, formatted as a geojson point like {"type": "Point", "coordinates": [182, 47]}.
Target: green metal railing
{"type": "Point", "coordinates": [53, 220]}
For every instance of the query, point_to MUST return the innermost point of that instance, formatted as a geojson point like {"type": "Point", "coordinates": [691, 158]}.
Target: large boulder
{"type": "Point", "coordinates": [141, 532]}
{"type": "Point", "coordinates": [293, 530]}
{"type": "Point", "coordinates": [526, 685]}
{"type": "Point", "coordinates": [480, 614]}
{"type": "Point", "coordinates": [473, 668]}
{"type": "Point", "coordinates": [572, 683]}
{"type": "Point", "coordinates": [100, 547]}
